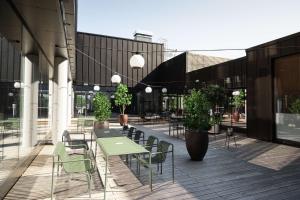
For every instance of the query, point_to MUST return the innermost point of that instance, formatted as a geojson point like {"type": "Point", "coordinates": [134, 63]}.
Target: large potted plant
{"type": "Point", "coordinates": [102, 110]}
{"type": "Point", "coordinates": [122, 99]}
{"type": "Point", "coordinates": [197, 122]}
{"type": "Point", "coordinates": [238, 102]}
{"type": "Point", "coordinates": [216, 97]}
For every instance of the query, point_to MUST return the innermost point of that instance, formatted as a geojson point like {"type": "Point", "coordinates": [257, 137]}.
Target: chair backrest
{"type": "Point", "coordinates": [163, 147]}
{"type": "Point", "coordinates": [66, 136]}
{"type": "Point", "coordinates": [151, 142]}
{"type": "Point", "coordinates": [61, 152]}
{"type": "Point", "coordinates": [130, 132]}
{"type": "Point", "coordinates": [137, 136]}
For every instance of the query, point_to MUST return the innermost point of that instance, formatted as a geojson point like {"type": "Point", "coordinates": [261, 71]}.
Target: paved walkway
{"type": "Point", "coordinates": [253, 170]}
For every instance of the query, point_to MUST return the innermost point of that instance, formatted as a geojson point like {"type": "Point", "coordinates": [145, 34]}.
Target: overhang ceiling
{"type": "Point", "coordinates": [49, 27]}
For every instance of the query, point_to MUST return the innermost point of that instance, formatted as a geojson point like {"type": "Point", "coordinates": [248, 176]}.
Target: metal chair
{"type": "Point", "coordinates": [229, 133]}
{"type": "Point", "coordinates": [74, 144]}
{"type": "Point", "coordinates": [131, 132]}
{"type": "Point", "coordinates": [72, 164]}
{"type": "Point", "coordinates": [159, 157]}
{"type": "Point", "coordinates": [138, 135]}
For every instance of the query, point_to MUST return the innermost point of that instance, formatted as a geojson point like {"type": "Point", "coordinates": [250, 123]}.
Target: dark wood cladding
{"type": "Point", "coordinates": [169, 74]}
{"type": "Point", "coordinates": [10, 59]}
{"type": "Point", "coordinates": [260, 110]}
{"type": "Point", "coordinates": [114, 53]}
{"type": "Point", "coordinates": [235, 70]}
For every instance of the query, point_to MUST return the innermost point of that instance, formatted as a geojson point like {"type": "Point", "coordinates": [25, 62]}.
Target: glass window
{"type": "Point", "coordinates": [287, 97]}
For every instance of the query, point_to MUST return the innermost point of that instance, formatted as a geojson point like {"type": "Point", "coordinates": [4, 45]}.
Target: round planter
{"type": "Point", "coordinates": [196, 144]}
{"type": "Point", "coordinates": [101, 125]}
{"type": "Point", "coordinates": [123, 119]}
{"type": "Point", "coordinates": [236, 116]}
{"type": "Point", "coordinates": [216, 128]}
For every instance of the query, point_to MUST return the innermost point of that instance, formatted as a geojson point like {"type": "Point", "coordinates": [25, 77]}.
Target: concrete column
{"type": "Point", "coordinates": [60, 99]}
{"type": "Point", "coordinates": [70, 107]}
{"type": "Point", "coordinates": [50, 103]}
{"type": "Point", "coordinates": [29, 112]}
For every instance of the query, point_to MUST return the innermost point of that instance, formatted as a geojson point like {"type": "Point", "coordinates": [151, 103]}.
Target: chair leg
{"type": "Point", "coordinates": [157, 168]}
{"type": "Point", "coordinates": [234, 141]}
{"type": "Point", "coordinates": [160, 168]}
{"type": "Point", "coordinates": [88, 176]}
{"type": "Point", "coordinates": [52, 180]}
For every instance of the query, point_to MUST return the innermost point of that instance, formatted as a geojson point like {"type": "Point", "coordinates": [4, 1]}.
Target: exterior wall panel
{"type": "Point", "coordinates": [114, 53]}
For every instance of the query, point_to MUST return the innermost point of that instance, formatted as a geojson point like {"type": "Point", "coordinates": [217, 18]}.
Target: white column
{"type": "Point", "coordinates": [34, 107]}
{"type": "Point", "coordinates": [70, 108]}
{"type": "Point", "coordinates": [60, 99]}
{"type": "Point", "coordinates": [50, 102]}
{"type": "Point", "coordinates": [29, 112]}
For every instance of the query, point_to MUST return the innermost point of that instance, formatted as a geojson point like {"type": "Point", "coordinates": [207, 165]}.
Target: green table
{"type": "Point", "coordinates": [116, 146]}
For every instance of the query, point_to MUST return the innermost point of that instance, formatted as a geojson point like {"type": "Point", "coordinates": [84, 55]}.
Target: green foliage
{"type": "Point", "coordinates": [80, 101]}
{"type": "Point", "coordinates": [102, 107]}
{"type": "Point", "coordinates": [295, 107]}
{"type": "Point", "coordinates": [197, 111]}
{"type": "Point", "coordinates": [122, 97]}
{"type": "Point", "coordinates": [238, 100]}
{"type": "Point", "coordinates": [215, 95]}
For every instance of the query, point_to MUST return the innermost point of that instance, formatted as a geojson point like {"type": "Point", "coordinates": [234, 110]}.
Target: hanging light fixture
{"type": "Point", "coordinates": [96, 87]}
{"type": "Point", "coordinates": [17, 84]}
{"type": "Point", "coordinates": [148, 89]}
{"type": "Point", "coordinates": [164, 90]}
{"type": "Point", "coordinates": [137, 61]}
{"type": "Point", "coordinates": [116, 79]}
{"type": "Point", "coordinates": [10, 94]}
{"type": "Point", "coordinates": [236, 93]}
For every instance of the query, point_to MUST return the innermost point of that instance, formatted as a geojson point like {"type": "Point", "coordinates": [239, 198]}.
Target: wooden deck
{"type": "Point", "coordinates": [253, 170]}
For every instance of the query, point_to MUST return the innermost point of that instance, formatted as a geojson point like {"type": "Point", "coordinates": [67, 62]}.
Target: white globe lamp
{"type": "Point", "coordinates": [164, 90]}
{"type": "Point", "coordinates": [148, 89]}
{"type": "Point", "coordinates": [116, 79]}
{"type": "Point", "coordinates": [137, 61]}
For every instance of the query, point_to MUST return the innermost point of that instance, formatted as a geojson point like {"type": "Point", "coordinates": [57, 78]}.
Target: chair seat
{"type": "Point", "coordinates": [72, 166]}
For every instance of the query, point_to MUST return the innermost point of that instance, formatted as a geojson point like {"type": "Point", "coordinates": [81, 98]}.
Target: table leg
{"type": "Point", "coordinates": [150, 171]}
{"type": "Point", "coordinates": [105, 183]}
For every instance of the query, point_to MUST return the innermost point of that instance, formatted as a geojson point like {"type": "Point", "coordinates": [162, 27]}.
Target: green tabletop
{"type": "Point", "coordinates": [114, 146]}
{"type": "Point", "coordinates": [102, 133]}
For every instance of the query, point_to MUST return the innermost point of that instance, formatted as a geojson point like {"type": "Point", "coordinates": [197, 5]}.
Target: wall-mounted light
{"type": "Point", "coordinates": [116, 79]}
{"type": "Point", "coordinates": [10, 94]}
{"type": "Point", "coordinates": [164, 90]}
{"type": "Point", "coordinates": [148, 89]}
{"type": "Point", "coordinates": [236, 93]}
{"type": "Point", "coordinates": [137, 61]}
{"type": "Point", "coordinates": [96, 87]}
{"type": "Point", "coordinates": [17, 84]}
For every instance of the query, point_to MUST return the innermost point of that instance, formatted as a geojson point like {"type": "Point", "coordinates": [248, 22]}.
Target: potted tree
{"type": "Point", "coordinates": [122, 99]}
{"type": "Point", "coordinates": [102, 110]}
{"type": "Point", "coordinates": [197, 122]}
{"type": "Point", "coordinates": [216, 96]}
{"type": "Point", "coordinates": [237, 101]}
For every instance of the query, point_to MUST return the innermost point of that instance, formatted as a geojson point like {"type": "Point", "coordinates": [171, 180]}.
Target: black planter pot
{"type": "Point", "coordinates": [196, 144]}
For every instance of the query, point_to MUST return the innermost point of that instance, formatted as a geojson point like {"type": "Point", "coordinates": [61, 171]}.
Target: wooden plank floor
{"type": "Point", "coordinates": [253, 170]}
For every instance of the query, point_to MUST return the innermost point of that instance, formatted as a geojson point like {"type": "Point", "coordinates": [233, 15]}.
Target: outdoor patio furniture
{"type": "Point", "coordinates": [74, 143]}
{"type": "Point", "coordinates": [159, 157]}
{"type": "Point", "coordinates": [72, 164]}
{"type": "Point", "coordinates": [116, 146]}
{"type": "Point", "coordinates": [151, 142]}
{"type": "Point", "coordinates": [139, 136]}
{"type": "Point", "coordinates": [229, 134]}
{"type": "Point", "coordinates": [176, 126]}
{"type": "Point", "coordinates": [131, 132]}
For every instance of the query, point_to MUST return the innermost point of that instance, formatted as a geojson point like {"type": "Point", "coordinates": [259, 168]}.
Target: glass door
{"type": "Point", "coordinates": [287, 97]}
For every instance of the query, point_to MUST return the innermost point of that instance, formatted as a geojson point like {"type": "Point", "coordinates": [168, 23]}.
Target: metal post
{"type": "Point", "coordinates": [173, 172]}
{"type": "Point", "coordinates": [150, 171]}
{"type": "Point", "coordinates": [105, 184]}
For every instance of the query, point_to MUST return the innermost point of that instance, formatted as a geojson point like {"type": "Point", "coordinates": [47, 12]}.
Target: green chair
{"type": "Point", "coordinates": [151, 142]}
{"type": "Point", "coordinates": [74, 144]}
{"type": "Point", "coordinates": [159, 157]}
{"type": "Point", "coordinates": [81, 163]}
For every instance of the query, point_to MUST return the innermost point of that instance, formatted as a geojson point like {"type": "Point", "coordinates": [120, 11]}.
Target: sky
{"type": "Point", "coordinates": [194, 24]}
